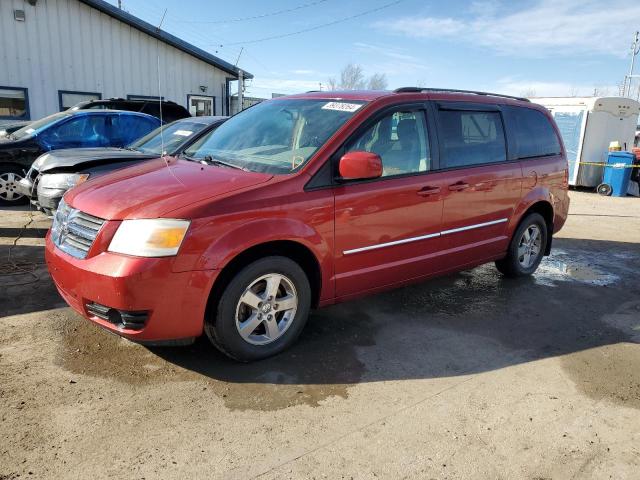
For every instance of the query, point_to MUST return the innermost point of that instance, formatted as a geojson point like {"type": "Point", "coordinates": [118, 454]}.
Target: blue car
{"type": "Point", "coordinates": [69, 129]}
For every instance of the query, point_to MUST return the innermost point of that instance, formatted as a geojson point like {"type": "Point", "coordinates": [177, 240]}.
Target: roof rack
{"type": "Point", "coordinates": [454, 90]}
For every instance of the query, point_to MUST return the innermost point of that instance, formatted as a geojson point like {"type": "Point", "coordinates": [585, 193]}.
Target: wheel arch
{"type": "Point", "coordinates": [545, 209]}
{"type": "Point", "coordinates": [291, 249]}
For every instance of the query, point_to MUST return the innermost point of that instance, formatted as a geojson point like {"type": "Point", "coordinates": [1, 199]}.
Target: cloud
{"type": "Point", "coordinates": [535, 88]}
{"type": "Point", "coordinates": [548, 28]}
{"type": "Point", "coordinates": [389, 60]}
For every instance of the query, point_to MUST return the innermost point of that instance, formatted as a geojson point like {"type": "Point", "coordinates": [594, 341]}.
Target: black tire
{"type": "Point", "coordinates": [7, 186]}
{"type": "Point", "coordinates": [604, 189]}
{"type": "Point", "coordinates": [511, 266]}
{"type": "Point", "coordinates": [221, 327]}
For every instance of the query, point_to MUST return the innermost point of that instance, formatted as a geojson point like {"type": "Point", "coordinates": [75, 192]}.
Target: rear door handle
{"type": "Point", "coordinates": [456, 187]}
{"type": "Point", "coordinates": [427, 191]}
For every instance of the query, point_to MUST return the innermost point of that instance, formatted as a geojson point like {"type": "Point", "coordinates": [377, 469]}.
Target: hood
{"type": "Point", "coordinates": [73, 157]}
{"type": "Point", "coordinates": [156, 187]}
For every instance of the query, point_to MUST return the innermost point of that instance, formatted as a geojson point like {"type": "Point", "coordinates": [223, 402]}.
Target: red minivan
{"type": "Point", "coordinates": [308, 200]}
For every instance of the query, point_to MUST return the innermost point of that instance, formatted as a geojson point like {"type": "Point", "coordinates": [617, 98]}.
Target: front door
{"type": "Point", "coordinates": [387, 229]}
{"type": "Point", "coordinates": [482, 188]}
{"type": "Point", "coordinates": [201, 106]}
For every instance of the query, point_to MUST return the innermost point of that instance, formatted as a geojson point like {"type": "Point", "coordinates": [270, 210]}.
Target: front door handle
{"type": "Point", "coordinates": [485, 186]}
{"type": "Point", "coordinates": [427, 191]}
{"type": "Point", "coordinates": [456, 187]}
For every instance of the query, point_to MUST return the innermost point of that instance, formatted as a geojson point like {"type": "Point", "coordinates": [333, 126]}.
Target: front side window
{"type": "Point", "coordinates": [68, 99]}
{"type": "Point", "coordinates": [81, 131]}
{"type": "Point", "coordinates": [13, 103]}
{"type": "Point", "coordinates": [400, 140]}
{"type": "Point", "coordinates": [277, 136]}
{"type": "Point", "coordinates": [535, 137]}
{"type": "Point", "coordinates": [172, 136]}
{"type": "Point", "coordinates": [471, 138]}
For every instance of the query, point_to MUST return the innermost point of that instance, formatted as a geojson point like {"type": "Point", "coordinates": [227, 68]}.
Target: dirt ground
{"type": "Point", "coordinates": [467, 376]}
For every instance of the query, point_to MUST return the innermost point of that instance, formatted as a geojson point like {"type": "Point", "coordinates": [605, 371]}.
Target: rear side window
{"type": "Point", "coordinates": [534, 134]}
{"type": "Point", "coordinates": [471, 138]}
{"type": "Point", "coordinates": [127, 128]}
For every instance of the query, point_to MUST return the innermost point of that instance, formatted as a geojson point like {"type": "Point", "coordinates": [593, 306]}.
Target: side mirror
{"type": "Point", "coordinates": [360, 166]}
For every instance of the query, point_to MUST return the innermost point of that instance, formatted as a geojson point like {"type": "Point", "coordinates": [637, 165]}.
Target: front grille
{"type": "Point", "coordinates": [74, 231]}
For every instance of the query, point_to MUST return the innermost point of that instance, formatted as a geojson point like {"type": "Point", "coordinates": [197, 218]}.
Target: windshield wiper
{"type": "Point", "coordinates": [214, 161]}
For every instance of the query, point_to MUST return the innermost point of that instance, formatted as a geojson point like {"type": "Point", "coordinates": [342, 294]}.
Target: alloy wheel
{"type": "Point", "coordinates": [9, 186]}
{"type": "Point", "coordinates": [530, 246]}
{"type": "Point", "coordinates": [266, 309]}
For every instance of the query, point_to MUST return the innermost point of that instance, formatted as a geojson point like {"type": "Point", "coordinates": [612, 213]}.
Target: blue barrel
{"type": "Point", "coordinates": [617, 172]}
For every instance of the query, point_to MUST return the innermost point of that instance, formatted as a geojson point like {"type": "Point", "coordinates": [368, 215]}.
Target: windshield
{"type": "Point", "coordinates": [277, 136]}
{"type": "Point", "coordinates": [175, 135]}
{"type": "Point", "coordinates": [35, 127]}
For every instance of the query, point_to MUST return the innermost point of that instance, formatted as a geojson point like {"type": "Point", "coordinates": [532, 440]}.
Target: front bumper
{"type": "Point", "coordinates": [174, 302]}
{"type": "Point", "coordinates": [49, 198]}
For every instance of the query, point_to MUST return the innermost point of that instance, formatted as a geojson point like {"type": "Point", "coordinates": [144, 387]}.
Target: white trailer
{"type": "Point", "coordinates": [587, 126]}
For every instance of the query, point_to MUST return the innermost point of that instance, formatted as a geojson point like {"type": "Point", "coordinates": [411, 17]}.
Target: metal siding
{"type": "Point", "coordinates": [67, 45]}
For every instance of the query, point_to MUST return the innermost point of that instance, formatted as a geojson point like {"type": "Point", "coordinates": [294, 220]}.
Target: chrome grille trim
{"type": "Point", "coordinates": [74, 231]}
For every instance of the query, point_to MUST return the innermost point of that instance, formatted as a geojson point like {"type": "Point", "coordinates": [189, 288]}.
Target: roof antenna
{"type": "Point", "coordinates": [162, 152]}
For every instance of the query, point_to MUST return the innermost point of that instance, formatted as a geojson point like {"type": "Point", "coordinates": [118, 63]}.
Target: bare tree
{"type": "Point", "coordinates": [377, 81]}
{"type": "Point", "coordinates": [528, 93]}
{"type": "Point", "coordinates": [352, 77]}
{"type": "Point", "coordinates": [600, 91]}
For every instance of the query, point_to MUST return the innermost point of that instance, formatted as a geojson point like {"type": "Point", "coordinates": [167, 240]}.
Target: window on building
{"type": "Point", "coordinates": [14, 103]}
{"type": "Point", "coordinates": [535, 137]}
{"type": "Point", "coordinates": [201, 105]}
{"type": "Point", "coordinates": [400, 140]}
{"type": "Point", "coordinates": [471, 138]}
{"type": "Point", "coordinates": [68, 99]}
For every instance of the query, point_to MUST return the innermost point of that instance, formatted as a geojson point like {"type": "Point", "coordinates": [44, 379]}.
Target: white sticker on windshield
{"type": "Point", "coordinates": [342, 107]}
{"type": "Point", "coordinates": [183, 133]}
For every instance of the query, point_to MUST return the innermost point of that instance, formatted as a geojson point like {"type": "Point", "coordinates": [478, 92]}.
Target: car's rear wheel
{"type": "Point", "coordinates": [10, 175]}
{"type": "Point", "coordinates": [262, 310]}
{"type": "Point", "coordinates": [526, 248]}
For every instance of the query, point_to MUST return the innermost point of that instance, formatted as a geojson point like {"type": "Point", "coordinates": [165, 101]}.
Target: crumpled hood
{"type": "Point", "coordinates": [75, 157]}
{"type": "Point", "coordinates": [156, 187]}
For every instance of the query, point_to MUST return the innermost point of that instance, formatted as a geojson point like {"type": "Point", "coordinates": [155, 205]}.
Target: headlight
{"type": "Point", "coordinates": [149, 237]}
{"type": "Point", "coordinates": [62, 180]}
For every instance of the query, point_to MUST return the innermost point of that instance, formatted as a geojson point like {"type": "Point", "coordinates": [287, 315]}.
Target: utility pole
{"type": "Point", "coordinates": [628, 80]}
{"type": "Point", "coordinates": [120, 4]}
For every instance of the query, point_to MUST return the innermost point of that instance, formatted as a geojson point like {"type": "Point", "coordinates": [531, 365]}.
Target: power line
{"type": "Point", "coordinates": [255, 17]}
{"type": "Point", "coordinates": [316, 27]}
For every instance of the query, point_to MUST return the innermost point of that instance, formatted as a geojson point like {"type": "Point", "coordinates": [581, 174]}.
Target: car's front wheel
{"type": "Point", "coordinates": [262, 310]}
{"type": "Point", "coordinates": [10, 175]}
{"type": "Point", "coordinates": [526, 248]}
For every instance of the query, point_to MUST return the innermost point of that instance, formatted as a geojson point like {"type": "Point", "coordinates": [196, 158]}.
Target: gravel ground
{"type": "Point", "coordinates": [466, 376]}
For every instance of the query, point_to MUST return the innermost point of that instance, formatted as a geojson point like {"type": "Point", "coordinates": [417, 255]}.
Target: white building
{"type": "Point", "coordinates": [55, 53]}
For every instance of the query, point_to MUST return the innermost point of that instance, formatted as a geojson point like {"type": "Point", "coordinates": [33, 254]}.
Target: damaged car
{"type": "Point", "coordinates": [84, 128]}
{"type": "Point", "coordinates": [53, 173]}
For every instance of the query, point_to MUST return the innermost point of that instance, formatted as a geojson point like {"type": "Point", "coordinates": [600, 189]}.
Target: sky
{"type": "Point", "coordinates": [518, 47]}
